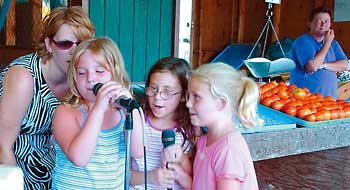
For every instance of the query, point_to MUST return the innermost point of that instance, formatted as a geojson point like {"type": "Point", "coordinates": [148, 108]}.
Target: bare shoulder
{"type": "Point", "coordinates": [67, 111]}
{"type": "Point", "coordinates": [66, 116]}
{"type": "Point", "coordinates": [16, 74]}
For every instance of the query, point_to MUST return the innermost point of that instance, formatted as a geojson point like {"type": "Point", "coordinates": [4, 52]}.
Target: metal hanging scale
{"type": "Point", "coordinates": [260, 66]}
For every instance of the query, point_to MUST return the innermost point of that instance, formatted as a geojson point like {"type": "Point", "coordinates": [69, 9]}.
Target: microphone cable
{"type": "Point", "coordinates": [144, 143]}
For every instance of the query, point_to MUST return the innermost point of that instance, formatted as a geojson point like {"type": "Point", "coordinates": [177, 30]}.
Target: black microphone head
{"type": "Point", "coordinates": [96, 87]}
{"type": "Point", "coordinates": [168, 138]}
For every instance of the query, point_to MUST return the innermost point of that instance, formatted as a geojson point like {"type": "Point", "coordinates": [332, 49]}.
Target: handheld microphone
{"type": "Point", "coordinates": [168, 138]}
{"type": "Point", "coordinates": [128, 103]}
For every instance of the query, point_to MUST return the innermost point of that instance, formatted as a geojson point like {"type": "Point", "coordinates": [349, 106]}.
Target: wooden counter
{"type": "Point", "coordinates": [296, 141]}
{"type": "Point", "coordinates": [322, 170]}
{"type": "Point", "coordinates": [302, 158]}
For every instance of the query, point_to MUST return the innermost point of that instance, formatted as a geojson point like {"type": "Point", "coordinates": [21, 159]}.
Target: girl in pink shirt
{"type": "Point", "coordinates": [216, 94]}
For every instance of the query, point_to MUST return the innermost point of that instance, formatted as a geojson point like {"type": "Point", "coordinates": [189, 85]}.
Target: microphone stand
{"type": "Point", "coordinates": [128, 127]}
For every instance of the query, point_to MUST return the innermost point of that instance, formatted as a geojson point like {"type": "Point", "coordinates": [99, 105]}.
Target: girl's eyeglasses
{"type": "Point", "coordinates": [164, 94]}
{"type": "Point", "coordinates": [66, 44]}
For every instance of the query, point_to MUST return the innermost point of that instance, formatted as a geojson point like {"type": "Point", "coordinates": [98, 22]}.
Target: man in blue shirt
{"type": "Point", "coordinates": [318, 56]}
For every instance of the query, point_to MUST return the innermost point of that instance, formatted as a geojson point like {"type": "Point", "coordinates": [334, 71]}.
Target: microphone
{"type": "Point", "coordinates": [128, 103]}
{"type": "Point", "coordinates": [168, 138]}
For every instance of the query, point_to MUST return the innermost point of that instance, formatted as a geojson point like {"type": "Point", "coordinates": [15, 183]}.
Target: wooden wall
{"type": "Point", "coordinates": [220, 23]}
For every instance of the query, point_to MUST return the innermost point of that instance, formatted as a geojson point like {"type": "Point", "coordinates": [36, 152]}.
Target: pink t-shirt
{"type": "Point", "coordinates": [229, 158]}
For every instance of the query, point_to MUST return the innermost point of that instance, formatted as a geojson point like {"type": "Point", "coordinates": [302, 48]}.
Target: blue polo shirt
{"type": "Point", "coordinates": [322, 81]}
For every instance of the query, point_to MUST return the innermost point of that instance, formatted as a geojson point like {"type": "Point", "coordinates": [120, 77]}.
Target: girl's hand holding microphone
{"type": "Point", "coordinates": [162, 176]}
{"type": "Point", "coordinates": [108, 93]}
{"type": "Point", "coordinates": [173, 156]}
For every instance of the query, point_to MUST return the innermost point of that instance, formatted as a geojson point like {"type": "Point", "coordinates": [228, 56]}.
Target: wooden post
{"type": "Point", "coordinates": [241, 21]}
{"type": "Point", "coordinates": [10, 35]}
{"type": "Point", "coordinates": [276, 20]}
{"type": "Point", "coordinates": [234, 20]}
{"type": "Point", "coordinates": [318, 3]}
{"type": "Point", "coordinates": [37, 20]}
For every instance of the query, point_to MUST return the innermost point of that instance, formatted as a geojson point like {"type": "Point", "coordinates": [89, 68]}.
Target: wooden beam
{"type": "Point", "coordinates": [241, 21]}
{"type": "Point", "coordinates": [196, 33]}
{"type": "Point", "coordinates": [276, 20]}
{"type": "Point", "coordinates": [318, 3]}
{"type": "Point", "coordinates": [10, 35]}
{"type": "Point", "coordinates": [37, 20]}
{"type": "Point", "coordinates": [234, 21]}
{"type": "Point", "coordinates": [75, 3]}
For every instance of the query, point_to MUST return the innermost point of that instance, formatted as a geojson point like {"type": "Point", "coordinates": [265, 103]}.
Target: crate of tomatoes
{"type": "Point", "coordinates": [299, 105]}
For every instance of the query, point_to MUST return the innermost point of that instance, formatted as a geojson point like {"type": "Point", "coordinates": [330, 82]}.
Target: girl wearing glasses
{"type": "Point", "coordinates": [89, 128]}
{"type": "Point", "coordinates": [165, 109]}
{"type": "Point", "coordinates": [216, 94]}
{"type": "Point", "coordinates": [31, 87]}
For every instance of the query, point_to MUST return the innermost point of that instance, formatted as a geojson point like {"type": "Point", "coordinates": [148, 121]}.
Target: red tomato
{"type": "Point", "coordinates": [326, 114]}
{"type": "Point", "coordinates": [310, 117]}
{"type": "Point", "coordinates": [299, 94]}
{"type": "Point", "coordinates": [282, 84]}
{"type": "Point", "coordinates": [283, 94]}
{"type": "Point", "coordinates": [290, 110]}
{"type": "Point", "coordinates": [277, 105]}
{"type": "Point", "coordinates": [346, 110]}
{"type": "Point", "coordinates": [319, 116]}
{"type": "Point", "coordinates": [302, 113]}
{"type": "Point", "coordinates": [292, 86]}
{"type": "Point", "coordinates": [342, 114]}
{"type": "Point", "coordinates": [329, 98]}
{"type": "Point", "coordinates": [267, 101]}
{"type": "Point", "coordinates": [334, 114]}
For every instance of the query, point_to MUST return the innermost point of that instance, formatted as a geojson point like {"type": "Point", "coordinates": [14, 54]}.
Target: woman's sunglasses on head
{"type": "Point", "coordinates": [65, 44]}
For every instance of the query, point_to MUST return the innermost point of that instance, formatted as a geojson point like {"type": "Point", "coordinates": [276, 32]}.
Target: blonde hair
{"type": "Point", "coordinates": [240, 92]}
{"type": "Point", "coordinates": [107, 54]}
{"type": "Point", "coordinates": [74, 16]}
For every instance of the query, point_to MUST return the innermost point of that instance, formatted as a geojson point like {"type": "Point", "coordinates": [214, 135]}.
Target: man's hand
{"type": "Point", "coordinates": [329, 36]}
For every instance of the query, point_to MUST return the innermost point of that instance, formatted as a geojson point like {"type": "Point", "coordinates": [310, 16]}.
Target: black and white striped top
{"type": "Point", "coordinates": [32, 147]}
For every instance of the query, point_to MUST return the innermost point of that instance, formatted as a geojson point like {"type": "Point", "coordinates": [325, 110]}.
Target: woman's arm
{"type": "Point", "coordinates": [16, 98]}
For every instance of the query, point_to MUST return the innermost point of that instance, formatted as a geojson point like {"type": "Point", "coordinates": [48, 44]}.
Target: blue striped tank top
{"type": "Point", "coordinates": [105, 169]}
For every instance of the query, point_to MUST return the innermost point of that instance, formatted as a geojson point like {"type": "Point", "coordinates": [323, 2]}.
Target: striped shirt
{"type": "Point", "coordinates": [32, 148]}
{"type": "Point", "coordinates": [153, 156]}
{"type": "Point", "coordinates": [105, 169]}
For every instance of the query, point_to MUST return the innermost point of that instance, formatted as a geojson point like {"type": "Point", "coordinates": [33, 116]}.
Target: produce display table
{"type": "Point", "coordinates": [302, 157]}
{"type": "Point", "coordinates": [323, 170]}
{"type": "Point", "coordinates": [296, 141]}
